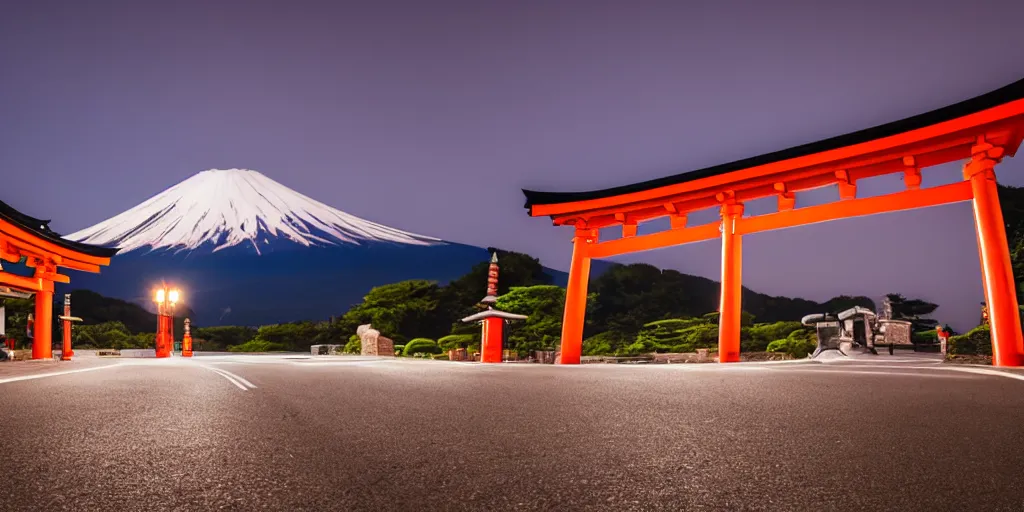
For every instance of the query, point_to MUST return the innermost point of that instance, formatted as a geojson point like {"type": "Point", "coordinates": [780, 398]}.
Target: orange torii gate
{"type": "Point", "coordinates": [27, 237]}
{"type": "Point", "coordinates": [982, 130]}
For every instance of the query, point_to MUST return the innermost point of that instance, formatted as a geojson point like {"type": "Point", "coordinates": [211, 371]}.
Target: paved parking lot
{"type": "Point", "coordinates": [241, 432]}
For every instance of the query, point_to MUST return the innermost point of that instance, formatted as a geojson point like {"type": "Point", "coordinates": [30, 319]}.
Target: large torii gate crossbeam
{"type": "Point", "coordinates": [44, 251]}
{"type": "Point", "coordinates": [982, 131]}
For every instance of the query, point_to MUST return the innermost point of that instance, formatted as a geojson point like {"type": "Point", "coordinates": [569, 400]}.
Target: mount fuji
{"type": "Point", "coordinates": [247, 250]}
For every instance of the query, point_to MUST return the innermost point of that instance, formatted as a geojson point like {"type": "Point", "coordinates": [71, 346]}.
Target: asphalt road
{"type": "Point", "coordinates": [351, 434]}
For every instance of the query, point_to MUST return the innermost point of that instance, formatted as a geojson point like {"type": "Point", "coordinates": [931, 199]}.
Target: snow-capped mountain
{"type": "Point", "coordinates": [247, 250]}
{"type": "Point", "coordinates": [224, 208]}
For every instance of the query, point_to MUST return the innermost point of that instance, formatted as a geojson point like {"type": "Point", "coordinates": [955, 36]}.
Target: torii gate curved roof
{"type": "Point", "coordinates": [25, 236]}
{"type": "Point", "coordinates": [937, 130]}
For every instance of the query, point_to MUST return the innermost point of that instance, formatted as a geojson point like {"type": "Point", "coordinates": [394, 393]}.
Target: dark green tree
{"type": "Point", "coordinates": [915, 311]}
{"type": "Point", "coordinates": [401, 311]}
{"type": "Point", "coordinates": [543, 305]}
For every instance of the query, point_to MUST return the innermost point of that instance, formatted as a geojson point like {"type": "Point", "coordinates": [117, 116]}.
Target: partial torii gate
{"type": "Point", "coordinates": [982, 130]}
{"type": "Point", "coordinates": [44, 251]}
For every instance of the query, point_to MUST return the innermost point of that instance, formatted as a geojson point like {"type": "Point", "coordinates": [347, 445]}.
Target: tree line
{"type": "Point", "coordinates": [631, 309]}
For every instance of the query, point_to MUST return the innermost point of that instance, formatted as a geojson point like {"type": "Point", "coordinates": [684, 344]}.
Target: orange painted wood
{"type": "Point", "coordinates": [974, 121]}
{"type": "Point", "coordinates": [930, 153]}
{"type": "Point", "coordinates": [997, 269]}
{"type": "Point", "coordinates": [658, 240]}
{"type": "Point", "coordinates": [908, 200]}
{"type": "Point", "coordinates": [16, 235]}
{"type": "Point", "coordinates": [29, 284]}
{"type": "Point", "coordinates": [576, 298]}
{"type": "Point", "coordinates": [42, 335]}
{"type": "Point", "coordinates": [731, 288]}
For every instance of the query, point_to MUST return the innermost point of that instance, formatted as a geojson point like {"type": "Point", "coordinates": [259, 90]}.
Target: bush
{"type": "Point", "coordinates": [420, 346]}
{"type": "Point", "coordinates": [605, 343]}
{"type": "Point", "coordinates": [977, 341]}
{"type": "Point", "coordinates": [925, 337]}
{"type": "Point", "coordinates": [758, 337]}
{"type": "Point", "coordinates": [258, 346]}
{"type": "Point", "coordinates": [441, 357]}
{"type": "Point", "coordinates": [633, 349]}
{"type": "Point", "coordinates": [455, 341]}
{"type": "Point", "coordinates": [746, 319]}
{"type": "Point", "coordinates": [354, 345]}
{"type": "Point", "coordinates": [798, 344]}
{"type": "Point", "coordinates": [676, 334]}
{"type": "Point", "coordinates": [219, 338]}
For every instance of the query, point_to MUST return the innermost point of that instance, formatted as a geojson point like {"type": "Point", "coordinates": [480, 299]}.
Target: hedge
{"type": "Point", "coordinates": [977, 341]}
{"type": "Point", "coordinates": [798, 344]}
{"type": "Point", "coordinates": [454, 341]}
{"type": "Point", "coordinates": [420, 346]}
{"type": "Point", "coordinates": [354, 345]}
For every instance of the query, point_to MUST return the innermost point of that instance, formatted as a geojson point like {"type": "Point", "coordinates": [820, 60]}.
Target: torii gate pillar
{"type": "Point", "coordinates": [997, 270]}
{"type": "Point", "coordinates": [42, 334]}
{"type": "Point", "coordinates": [576, 297]}
{"type": "Point", "coordinates": [730, 308]}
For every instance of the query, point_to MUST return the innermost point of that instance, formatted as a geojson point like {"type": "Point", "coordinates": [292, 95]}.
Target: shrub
{"type": "Point", "coordinates": [672, 325]}
{"type": "Point", "coordinates": [758, 337]}
{"type": "Point", "coordinates": [746, 319]}
{"type": "Point", "coordinates": [925, 337]}
{"type": "Point", "coordinates": [633, 349]}
{"type": "Point", "coordinates": [455, 341]}
{"type": "Point", "coordinates": [354, 345]}
{"type": "Point", "coordinates": [977, 341]}
{"type": "Point", "coordinates": [420, 346]}
{"type": "Point", "coordinates": [442, 357]}
{"type": "Point", "coordinates": [675, 334]}
{"type": "Point", "coordinates": [219, 338]}
{"type": "Point", "coordinates": [605, 343]}
{"type": "Point", "coordinates": [258, 346]}
{"type": "Point", "coordinates": [798, 344]}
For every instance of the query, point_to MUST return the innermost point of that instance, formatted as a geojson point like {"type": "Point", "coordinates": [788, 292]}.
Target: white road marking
{"type": "Point", "coordinates": [54, 374]}
{"type": "Point", "coordinates": [229, 376]}
{"type": "Point", "coordinates": [872, 372]}
{"type": "Point", "coordinates": [985, 371]}
{"type": "Point", "coordinates": [237, 377]}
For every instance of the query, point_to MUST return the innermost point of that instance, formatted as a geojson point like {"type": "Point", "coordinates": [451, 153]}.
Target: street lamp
{"type": "Point", "coordinates": [166, 299]}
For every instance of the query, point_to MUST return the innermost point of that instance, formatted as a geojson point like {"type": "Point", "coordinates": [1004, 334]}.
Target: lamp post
{"type": "Point", "coordinates": [166, 299]}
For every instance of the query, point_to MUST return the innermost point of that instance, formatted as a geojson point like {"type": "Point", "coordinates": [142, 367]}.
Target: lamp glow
{"type": "Point", "coordinates": [160, 296]}
{"type": "Point", "coordinates": [173, 296]}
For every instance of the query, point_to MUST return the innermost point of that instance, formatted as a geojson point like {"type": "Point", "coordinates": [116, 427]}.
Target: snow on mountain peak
{"type": "Point", "coordinates": [231, 207]}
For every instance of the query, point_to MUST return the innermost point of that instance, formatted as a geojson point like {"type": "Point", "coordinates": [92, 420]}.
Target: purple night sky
{"type": "Point", "coordinates": [430, 116]}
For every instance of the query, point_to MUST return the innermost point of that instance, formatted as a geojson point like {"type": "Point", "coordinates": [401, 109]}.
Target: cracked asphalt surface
{"type": "Point", "coordinates": [356, 434]}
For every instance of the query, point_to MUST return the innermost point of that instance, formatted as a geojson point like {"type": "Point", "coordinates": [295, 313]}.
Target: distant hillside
{"type": "Point", "coordinates": [94, 308]}
{"type": "Point", "coordinates": [627, 296]}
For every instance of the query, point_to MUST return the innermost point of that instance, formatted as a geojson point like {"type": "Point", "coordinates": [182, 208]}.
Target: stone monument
{"type": "Point", "coordinates": [373, 344]}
